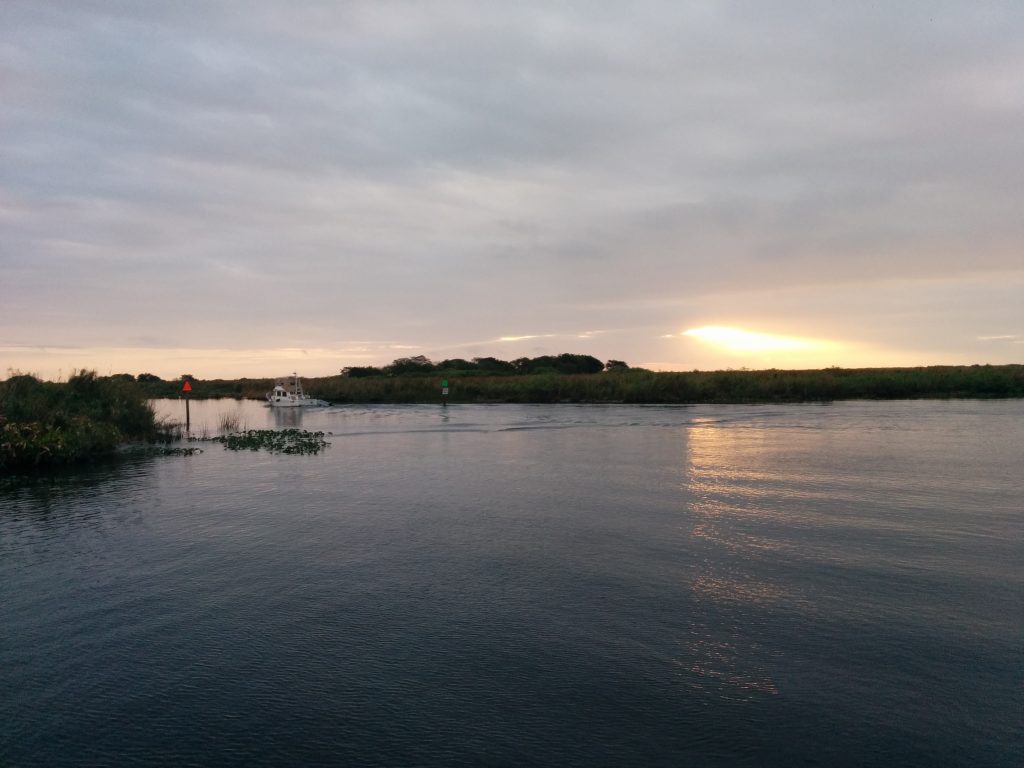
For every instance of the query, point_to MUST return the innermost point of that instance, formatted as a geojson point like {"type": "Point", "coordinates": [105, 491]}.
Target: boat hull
{"type": "Point", "coordinates": [287, 393]}
{"type": "Point", "coordinates": [305, 403]}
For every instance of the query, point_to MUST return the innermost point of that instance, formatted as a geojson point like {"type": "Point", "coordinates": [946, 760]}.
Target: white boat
{"type": "Point", "coordinates": [287, 393]}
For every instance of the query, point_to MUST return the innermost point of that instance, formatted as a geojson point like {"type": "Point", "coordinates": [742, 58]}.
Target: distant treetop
{"type": "Point", "coordinates": [421, 365]}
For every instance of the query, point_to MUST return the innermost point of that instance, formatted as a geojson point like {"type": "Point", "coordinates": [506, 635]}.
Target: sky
{"type": "Point", "coordinates": [252, 188]}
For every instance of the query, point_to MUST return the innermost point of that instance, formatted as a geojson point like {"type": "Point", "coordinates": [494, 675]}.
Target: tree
{"type": "Point", "coordinates": [616, 366]}
{"type": "Point", "coordinates": [456, 364]}
{"type": "Point", "coordinates": [564, 364]}
{"type": "Point", "coordinates": [410, 365]}
{"type": "Point", "coordinates": [493, 365]}
{"type": "Point", "coordinates": [361, 372]}
{"type": "Point", "coordinates": [567, 363]}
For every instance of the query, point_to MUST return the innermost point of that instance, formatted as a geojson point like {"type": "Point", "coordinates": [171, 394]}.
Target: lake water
{"type": "Point", "coordinates": [835, 585]}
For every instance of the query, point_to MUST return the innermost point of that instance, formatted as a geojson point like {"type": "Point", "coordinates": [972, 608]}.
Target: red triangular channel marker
{"type": "Point", "coordinates": [186, 387]}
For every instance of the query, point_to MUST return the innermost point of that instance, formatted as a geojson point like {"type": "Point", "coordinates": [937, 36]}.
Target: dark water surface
{"type": "Point", "coordinates": [530, 585]}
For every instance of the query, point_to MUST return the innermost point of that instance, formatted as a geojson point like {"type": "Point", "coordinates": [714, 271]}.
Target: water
{"type": "Point", "coordinates": [529, 585]}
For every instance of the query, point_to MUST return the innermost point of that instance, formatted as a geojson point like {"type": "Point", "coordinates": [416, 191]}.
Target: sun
{"type": "Point", "coordinates": [739, 341]}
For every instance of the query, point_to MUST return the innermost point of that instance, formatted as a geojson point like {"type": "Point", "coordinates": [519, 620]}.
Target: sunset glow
{"type": "Point", "coordinates": [525, 338]}
{"type": "Point", "coordinates": [739, 341]}
{"type": "Point", "coordinates": [193, 214]}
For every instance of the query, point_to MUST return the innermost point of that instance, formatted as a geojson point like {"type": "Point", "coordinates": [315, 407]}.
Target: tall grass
{"type": "Point", "coordinates": [47, 423]}
{"type": "Point", "coordinates": [628, 386]}
{"type": "Point", "coordinates": [208, 388]}
{"type": "Point", "coordinates": [687, 387]}
{"type": "Point", "coordinates": [230, 422]}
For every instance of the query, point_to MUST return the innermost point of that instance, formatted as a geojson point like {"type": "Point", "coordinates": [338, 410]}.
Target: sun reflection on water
{"type": "Point", "coordinates": [738, 508]}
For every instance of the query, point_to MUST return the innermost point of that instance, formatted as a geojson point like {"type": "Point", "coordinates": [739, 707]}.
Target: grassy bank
{"type": "Point", "coordinates": [208, 388]}
{"type": "Point", "coordinates": [84, 419]}
{"type": "Point", "coordinates": [639, 386]}
{"type": "Point", "coordinates": [690, 387]}
{"type": "Point", "coordinates": [43, 423]}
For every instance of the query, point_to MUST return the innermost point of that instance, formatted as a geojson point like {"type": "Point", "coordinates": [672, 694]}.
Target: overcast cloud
{"type": "Point", "coordinates": [250, 187]}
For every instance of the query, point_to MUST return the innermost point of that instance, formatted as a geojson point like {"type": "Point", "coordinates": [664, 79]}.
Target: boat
{"type": "Point", "coordinates": [287, 393]}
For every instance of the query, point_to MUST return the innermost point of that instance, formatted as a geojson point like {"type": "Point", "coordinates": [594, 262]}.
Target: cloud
{"type": "Point", "coordinates": [1013, 338]}
{"type": "Point", "coordinates": [211, 179]}
{"type": "Point", "coordinates": [526, 338]}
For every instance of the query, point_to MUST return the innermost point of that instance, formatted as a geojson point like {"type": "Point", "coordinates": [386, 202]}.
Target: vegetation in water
{"type": "Point", "coordinates": [581, 378]}
{"type": "Point", "coordinates": [230, 422]}
{"type": "Point", "coordinates": [161, 450]}
{"type": "Point", "coordinates": [89, 417]}
{"type": "Point", "coordinates": [84, 419]}
{"type": "Point", "coordinates": [291, 441]}
{"type": "Point", "coordinates": [418, 367]}
{"type": "Point", "coordinates": [627, 385]}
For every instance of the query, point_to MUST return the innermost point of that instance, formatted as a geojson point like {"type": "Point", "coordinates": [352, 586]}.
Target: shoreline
{"type": "Point", "coordinates": [637, 386]}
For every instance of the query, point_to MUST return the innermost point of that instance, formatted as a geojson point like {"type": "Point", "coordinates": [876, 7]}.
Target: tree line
{"type": "Point", "coordinates": [87, 417]}
{"type": "Point", "coordinates": [492, 381]}
{"type": "Point", "coordinates": [565, 364]}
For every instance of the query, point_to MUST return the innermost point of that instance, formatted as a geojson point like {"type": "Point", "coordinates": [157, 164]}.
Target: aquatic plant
{"type": "Point", "coordinates": [161, 450]}
{"type": "Point", "coordinates": [230, 422]}
{"type": "Point", "coordinates": [290, 441]}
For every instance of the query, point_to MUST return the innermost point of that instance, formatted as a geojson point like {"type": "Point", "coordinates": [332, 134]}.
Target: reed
{"type": "Point", "coordinates": [230, 422]}
{"type": "Point", "coordinates": [83, 419]}
{"type": "Point", "coordinates": [578, 378]}
{"type": "Point", "coordinates": [639, 386]}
